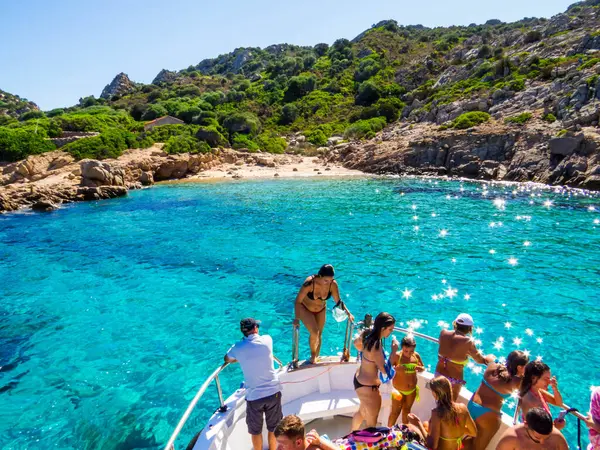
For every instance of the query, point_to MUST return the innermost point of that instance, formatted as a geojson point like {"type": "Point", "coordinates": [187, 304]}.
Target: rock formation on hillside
{"type": "Point", "coordinates": [120, 85]}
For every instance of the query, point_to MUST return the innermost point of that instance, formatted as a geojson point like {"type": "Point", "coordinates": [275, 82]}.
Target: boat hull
{"type": "Point", "coordinates": [323, 396]}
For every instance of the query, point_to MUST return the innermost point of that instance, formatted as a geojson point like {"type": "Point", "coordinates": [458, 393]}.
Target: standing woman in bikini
{"type": "Point", "coordinates": [311, 306]}
{"type": "Point", "coordinates": [450, 422]}
{"type": "Point", "coordinates": [499, 382]}
{"type": "Point", "coordinates": [456, 347]}
{"type": "Point", "coordinates": [366, 380]}
{"type": "Point", "coordinates": [534, 390]}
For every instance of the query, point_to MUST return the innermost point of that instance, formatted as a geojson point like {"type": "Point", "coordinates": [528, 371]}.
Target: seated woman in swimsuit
{"type": "Point", "coordinates": [311, 304]}
{"type": "Point", "coordinates": [499, 382]}
{"type": "Point", "coordinates": [453, 355]}
{"type": "Point", "coordinates": [407, 363]}
{"type": "Point", "coordinates": [534, 390]}
{"type": "Point", "coordinates": [450, 422]}
{"type": "Point", "coordinates": [367, 379]}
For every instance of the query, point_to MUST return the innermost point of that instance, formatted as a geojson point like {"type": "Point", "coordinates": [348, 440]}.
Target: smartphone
{"type": "Point", "coordinates": [562, 415]}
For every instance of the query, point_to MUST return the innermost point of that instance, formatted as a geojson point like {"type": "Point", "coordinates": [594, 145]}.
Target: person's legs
{"type": "Point", "coordinates": [254, 421]}
{"type": "Point", "coordinates": [273, 415]}
{"type": "Point", "coordinates": [359, 415]}
{"type": "Point", "coordinates": [395, 412]}
{"type": "Point", "coordinates": [407, 404]}
{"type": "Point", "coordinates": [320, 319]}
{"type": "Point", "coordinates": [257, 441]}
{"type": "Point", "coordinates": [310, 322]}
{"type": "Point", "coordinates": [372, 402]}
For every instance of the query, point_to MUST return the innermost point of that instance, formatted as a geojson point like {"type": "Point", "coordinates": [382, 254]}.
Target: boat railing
{"type": "Point", "coordinates": [296, 337]}
{"type": "Point", "coordinates": [222, 406]}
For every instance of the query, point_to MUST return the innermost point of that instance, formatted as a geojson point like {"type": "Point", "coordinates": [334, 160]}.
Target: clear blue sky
{"type": "Point", "coordinates": [55, 51]}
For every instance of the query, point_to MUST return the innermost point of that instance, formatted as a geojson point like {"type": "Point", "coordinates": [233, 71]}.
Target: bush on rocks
{"type": "Point", "coordinates": [470, 119]}
{"type": "Point", "coordinates": [365, 129]}
{"type": "Point", "coordinates": [520, 119]}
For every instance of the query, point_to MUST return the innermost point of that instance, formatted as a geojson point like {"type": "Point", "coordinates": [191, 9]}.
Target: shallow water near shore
{"type": "Point", "coordinates": [113, 313]}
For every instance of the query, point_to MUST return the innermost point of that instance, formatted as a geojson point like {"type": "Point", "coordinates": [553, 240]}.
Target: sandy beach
{"type": "Point", "coordinates": [273, 166]}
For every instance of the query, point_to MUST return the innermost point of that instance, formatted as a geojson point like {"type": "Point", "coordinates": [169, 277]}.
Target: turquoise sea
{"type": "Point", "coordinates": [113, 313]}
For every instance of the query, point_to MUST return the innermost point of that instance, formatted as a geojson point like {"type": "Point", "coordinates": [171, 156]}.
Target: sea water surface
{"type": "Point", "coordinates": [113, 313]}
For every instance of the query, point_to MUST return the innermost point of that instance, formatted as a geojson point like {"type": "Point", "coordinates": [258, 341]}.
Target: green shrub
{"type": "Point", "coordinates": [519, 119]}
{"type": "Point", "coordinates": [289, 114]}
{"type": "Point", "coordinates": [271, 143]}
{"type": "Point", "coordinates": [470, 119]}
{"type": "Point", "coordinates": [162, 133]}
{"type": "Point", "coordinates": [562, 133]}
{"type": "Point", "coordinates": [299, 86]}
{"type": "Point", "coordinates": [18, 144]}
{"type": "Point", "coordinates": [550, 118]}
{"type": "Point", "coordinates": [109, 144]}
{"type": "Point", "coordinates": [365, 129]}
{"type": "Point", "coordinates": [241, 122]}
{"type": "Point", "coordinates": [243, 141]}
{"type": "Point", "coordinates": [317, 137]}
{"type": "Point", "coordinates": [30, 115]}
{"type": "Point", "coordinates": [185, 144]}
{"type": "Point", "coordinates": [212, 136]}
{"type": "Point", "coordinates": [55, 112]}
{"type": "Point", "coordinates": [368, 93]}
{"type": "Point", "coordinates": [532, 36]}
{"type": "Point", "coordinates": [588, 64]}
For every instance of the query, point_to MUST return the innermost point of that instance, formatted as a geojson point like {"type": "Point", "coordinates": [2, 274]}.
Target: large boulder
{"type": "Point", "coordinates": [96, 173]}
{"type": "Point", "coordinates": [174, 167]}
{"type": "Point", "coordinates": [565, 146]}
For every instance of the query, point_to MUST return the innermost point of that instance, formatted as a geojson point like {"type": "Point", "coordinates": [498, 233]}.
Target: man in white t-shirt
{"type": "Point", "coordinates": [263, 391]}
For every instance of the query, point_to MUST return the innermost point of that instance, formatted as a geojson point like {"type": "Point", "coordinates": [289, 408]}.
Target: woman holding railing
{"type": "Point", "coordinates": [455, 348]}
{"type": "Point", "coordinates": [311, 306]}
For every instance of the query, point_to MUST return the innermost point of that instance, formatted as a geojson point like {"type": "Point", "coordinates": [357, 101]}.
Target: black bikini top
{"type": "Point", "coordinates": [311, 295]}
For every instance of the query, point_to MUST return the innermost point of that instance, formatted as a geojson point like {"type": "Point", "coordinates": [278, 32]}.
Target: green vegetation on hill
{"type": "Point", "coordinates": [252, 98]}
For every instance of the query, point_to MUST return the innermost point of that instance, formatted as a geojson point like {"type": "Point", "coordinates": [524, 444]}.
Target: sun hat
{"type": "Point", "coordinates": [464, 319]}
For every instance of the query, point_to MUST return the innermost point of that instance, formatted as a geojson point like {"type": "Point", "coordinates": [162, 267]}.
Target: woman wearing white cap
{"type": "Point", "coordinates": [455, 348]}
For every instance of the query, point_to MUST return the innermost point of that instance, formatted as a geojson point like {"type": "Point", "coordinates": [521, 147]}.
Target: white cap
{"type": "Point", "coordinates": [464, 319]}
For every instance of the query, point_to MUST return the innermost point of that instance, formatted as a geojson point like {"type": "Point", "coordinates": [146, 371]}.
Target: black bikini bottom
{"type": "Point", "coordinates": [358, 385]}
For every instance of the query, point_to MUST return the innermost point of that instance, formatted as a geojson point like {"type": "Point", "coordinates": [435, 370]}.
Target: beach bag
{"type": "Point", "coordinates": [373, 438]}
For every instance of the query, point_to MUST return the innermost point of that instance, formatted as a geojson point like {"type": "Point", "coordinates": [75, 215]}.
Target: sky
{"type": "Point", "coordinates": [53, 52]}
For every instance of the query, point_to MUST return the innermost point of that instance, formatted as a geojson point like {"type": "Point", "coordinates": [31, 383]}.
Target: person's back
{"type": "Point", "coordinates": [255, 355]}
{"type": "Point", "coordinates": [263, 391]}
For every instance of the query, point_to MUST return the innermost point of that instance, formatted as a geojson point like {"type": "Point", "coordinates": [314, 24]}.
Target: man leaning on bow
{"type": "Point", "coordinates": [263, 391]}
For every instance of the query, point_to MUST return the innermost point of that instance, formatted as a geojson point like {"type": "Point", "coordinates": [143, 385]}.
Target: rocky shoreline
{"type": "Point", "coordinates": [492, 151]}
{"type": "Point", "coordinates": [45, 182]}
{"type": "Point", "coordinates": [533, 152]}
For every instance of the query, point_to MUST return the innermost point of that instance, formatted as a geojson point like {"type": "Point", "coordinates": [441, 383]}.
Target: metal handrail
{"type": "Point", "coordinates": [222, 407]}
{"type": "Point", "coordinates": [420, 335]}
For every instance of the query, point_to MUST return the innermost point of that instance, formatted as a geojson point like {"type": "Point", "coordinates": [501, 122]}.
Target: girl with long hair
{"type": "Point", "coordinates": [499, 382]}
{"type": "Point", "coordinates": [450, 422]}
{"type": "Point", "coordinates": [373, 361]}
{"type": "Point", "coordinates": [534, 390]}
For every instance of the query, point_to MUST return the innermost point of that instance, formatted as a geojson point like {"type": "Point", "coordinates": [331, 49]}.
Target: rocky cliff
{"type": "Point", "coordinates": [14, 106]}
{"type": "Point", "coordinates": [494, 151]}
{"type": "Point", "coordinates": [119, 86]}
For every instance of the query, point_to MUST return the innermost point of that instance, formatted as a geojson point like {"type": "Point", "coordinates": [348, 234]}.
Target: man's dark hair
{"type": "Point", "coordinates": [291, 427]}
{"type": "Point", "coordinates": [539, 420]}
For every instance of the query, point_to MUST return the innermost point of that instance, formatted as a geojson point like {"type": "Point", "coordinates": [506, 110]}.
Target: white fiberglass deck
{"type": "Point", "coordinates": [323, 396]}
